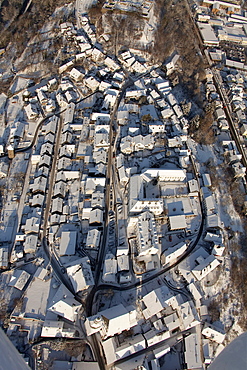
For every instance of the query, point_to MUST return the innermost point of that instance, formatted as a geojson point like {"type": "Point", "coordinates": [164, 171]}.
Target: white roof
{"type": "Point", "coordinates": [93, 238]}
{"type": "Point", "coordinates": [118, 319]}
{"type": "Point", "coordinates": [68, 243]}
{"type": "Point", "coordinates": [192, 352]}
{"type": "Point", "coordinates": [155, 301]}
{"type": "Point", "coordinates": [213, 333]}
{"type": "Point", "coordinates": [80, 274]}
{"type": "Point", "coordinates": [30, 244]}
{"type": "Point", "coordinates": [64, 304]}
{"type": "Point", "coordinates": [205, 267]}
{"type": "Point", "coordinates": [96, 216]}
{"type": "Point", "coordinates": [52, 328]}
{"type": "Point", "coordinates": [207, 33]}
{"type": "Point", "coordinates": [123, 263]}
{"type": "Point", "coordinates": [19, 279]}
{"type": "Point", "coordinates": [166, 174]}
{"type": "Point", "coordinates": [177, 222]}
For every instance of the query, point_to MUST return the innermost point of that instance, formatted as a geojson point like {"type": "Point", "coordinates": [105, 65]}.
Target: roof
{"type": "Point", "coordinates": [192, 352]}
{"type": "Point", "coordinates": [117, 318]}
{"type": "Point", "coordinates": [80, 274]}
{"type": "Point", "coordinates": [19, 279]}
{"type": "Point", "coordinates": [177, 222]}
{"type": "Point", "coordinates": [64, 304]}
{"type": "Point", "coordinates": [93, 238]}
{"type": "Point", "coordinates": [208, 34]}
{"type": "Point", "coordinates": [68, 243]}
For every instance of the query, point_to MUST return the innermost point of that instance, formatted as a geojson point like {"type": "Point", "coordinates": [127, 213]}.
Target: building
{"type": "Point", "coordinates": [171, 254]}
{"type": "Point", "coordinates": [208, 36]}
{"type": "Point", "coordinates": [146, 234]}
{"type": "Point", "coordinates": [19, 279]}
{"type": "Point", "coordinates": [192, 352]}
{"type": "Point", "coordinates": [80, 274]}
{"type": "Point", "coordinates": [177, 223]}
{"type": "Point", "coordinates": [4, 257]}
{"type": "Point", "coordinates": [110, 269]}
{"type": "Point", "coordinates": [93, 238]}
{"type": "Point", "coordinates": [114, 352]}
{"type": "Point", "coordinates": [165, 174]}
{"type": "Point", "coordinates": [156, 301]}
{"type": "Point", "coordinates": [111, 321]}
{"type": "Point", "coordinates": [137, 202]}
{"type": "Point", "coordinates": [63, 304]}
{"type": "Point", "coordinates": [205, 266]}
{"type": "Point", "coordinates": [213, 333]}
{"type": "Point", "coordinates": [68, 243]}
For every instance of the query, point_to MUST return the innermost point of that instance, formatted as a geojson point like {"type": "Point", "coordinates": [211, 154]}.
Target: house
{"type": "Point", "coordinates": [71, 95]}
{"type": "Point", "coordinates": [57, 205]}
{"type": "Point", "coordinates": [4, 168]}
{"type": "Point", "coordinates": [205, 266]}
{"type": "Point", "coordinates": [123, 178]}
{"type": "Point", "coordinates": [156, 127]}
{"type": "Point", "coordinates": [111, 321]}
{"type": "Point", "coordinates": [171, 64]}
{"type": "Point", "coordinates": [213, 221]}
{"type": "Point", "coordinates": [51, 126]}
{"type": "Point", "coordinates": [63, 304]}
{"type": "Point", "coordinates": [30, 244]}
{"type": "Point", "coordinates": [76, 75]}
{"type": "Point", "coordinates": [123, 263]}
{"type": "Point", "coordinates": [111, 64]}
{"type": "Point", "coordinates": [37, 200]}
{"type": "Point", "coordinates": [69, 113]}
{"type": "Point", "coordinates": [4, 257]}
{"type": "Point", "coordinates": [31, 111]}
{"type": "Point", "coordinates": [98, 200]}
{"type": "Point", "coordinates": [213, 333]}
{"type": "Point", "coordinates": [192, 352]}
{"type": "Point", "coordinates": [32, 225]}
{"type": "Point", "coordinates": [68, 243]}
{"type": "Point", "coordinates": [46, 148]}
{"type": "Point", "coordinates": [110, 269]}
{"type": "Point", "coordinates": [80, 274]}
{"type": "Point", "coordinates": [155, 301]}
{"type": "Point", "coordinates": [59, 189]}
{"type": "Point", "coordinates": [45, 160]}
{"type": "Point", "coordinates": [19, 279]}
{"type": "Point", "coordinates": [152, 336]}
{"type": "Point", "coordinates": [100, 155]}
{"type": "Point", "coordinates": [188, 315]}
{"type": "Point", "coordinates": [93, 238]}
{"type": "Point", "coordinates": [172, 253]}
{"type": "Point", "coordinates": [96, 217]}
{"type": "Point", "coordinates": [91, 83]}
{"type": "Point", "coordinates": [177, 223]}
{"type": "Point", "coordinates": [65, 66]}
